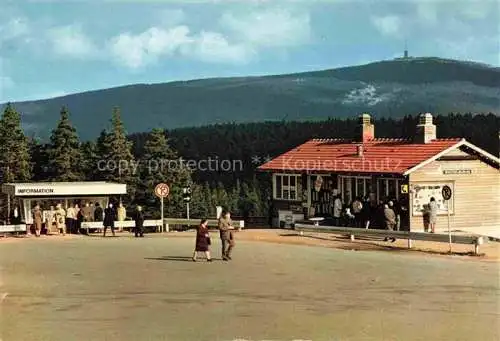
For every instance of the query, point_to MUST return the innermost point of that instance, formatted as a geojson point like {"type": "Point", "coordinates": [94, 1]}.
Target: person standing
{"type": "Point", "coordinates": [357, 207]}
{"type": "Point", "coordinates": [202, 241]}
{"type": "Point", "coordinates": [139, 222]}
{"type": "Point", "coordinates": [390, 219]}
{"type": "Point", "coordinates": [122, 214]}
{"type": "Point", "coordinates": [226, 235]}
{"type": "Point", "coordinates": [78, 218]}
{"type": "Point", "coordinates": [37, 219]}
{"type": "Point", "coordinates": [433, 209]}
{"type": "Point", "coordinates": [337, 210]}
{"type": "Point", "coordinates": [87, 213]}
{"type": "Point", "coordinates": [49, 219]}
{"type": "Point", "coordinates": [60, 219]}
{"type": "Point", "coordinates": [71, 218]}
{"type": "Point", "coordinates": [109, 219]}
{"type": "Point", "coordinates": [98, 212]}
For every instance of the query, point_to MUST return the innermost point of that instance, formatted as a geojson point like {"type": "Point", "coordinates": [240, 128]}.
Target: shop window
{"type": "Point", "coordinates": [287, 187]}
{"type": "Point", "coordinates": [388, 189]}
{"type": "Point", "coordinates": [354, 186]}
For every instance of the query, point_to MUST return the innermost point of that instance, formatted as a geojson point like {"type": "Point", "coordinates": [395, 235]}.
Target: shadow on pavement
{"type": "Point", "coordinates": [364, 244]}
{"type": "Point", "coordinates": [179, 258]}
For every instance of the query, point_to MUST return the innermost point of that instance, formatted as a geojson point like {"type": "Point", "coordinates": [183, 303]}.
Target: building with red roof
{"type": "Point", "coordinates": [407, 171]}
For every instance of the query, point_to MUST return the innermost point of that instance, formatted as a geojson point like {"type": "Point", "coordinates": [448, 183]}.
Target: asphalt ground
{"type": "Point", "coordinates": [90, 288]}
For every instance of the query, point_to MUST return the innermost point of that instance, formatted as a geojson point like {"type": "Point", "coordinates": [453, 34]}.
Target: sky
{"type": "Point", "coordinates": [54, 48]}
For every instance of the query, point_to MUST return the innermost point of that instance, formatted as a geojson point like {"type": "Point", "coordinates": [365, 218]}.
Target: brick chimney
{"type": "Point", "coordinates": [359, 150]}
{"type": "Point", "coordinates": [366, 130]}
{"type": "Point", "coordinates": [426, 130]}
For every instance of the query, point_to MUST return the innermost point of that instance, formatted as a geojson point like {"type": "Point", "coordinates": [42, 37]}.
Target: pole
{"type": "Point", "coordinates": [187, 209]}
{"type": "Point", "coordinates": [449, 230]}
{"type": "Point", "coordinates": [162, 220]}
{"type": "Point", "coordinates": [8, 209]}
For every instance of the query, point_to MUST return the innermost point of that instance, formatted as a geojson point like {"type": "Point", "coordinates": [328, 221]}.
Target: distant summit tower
{"type": "Point", "coordinates": [405, 56]}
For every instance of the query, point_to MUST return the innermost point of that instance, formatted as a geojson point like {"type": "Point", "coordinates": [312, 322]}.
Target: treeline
{"type": "Point", "coordinates": [111, 157]}
{"type": "Point", "coordinates": [137, 159]}
{"type": "Point", "coordinates": [246, 141]}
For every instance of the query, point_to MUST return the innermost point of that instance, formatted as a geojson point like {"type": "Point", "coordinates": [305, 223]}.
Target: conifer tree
{"type": "Point", "coordinates": [64, 151]}
{"type": "Point", "coordinates": [234, 198]}
{"type": "Point", "coordinates": [40, 159]}
{"type": "Point", "coordinates": [15, 160]}
{"type": "Point", "coordinates": [160, 164]}
{"type": "Point", "coordinates": [208, 199]}
{"type": "Point", "coordinates": [89, 160]}
{"type": "Point", "coordinates": [115, 158]}
{"type": "Point", "coordinates": [199, 207]}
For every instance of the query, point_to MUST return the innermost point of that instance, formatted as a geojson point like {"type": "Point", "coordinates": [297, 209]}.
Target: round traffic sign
{"type": "Point", "coordinates": [446, 192]}
{"type": "Point", "coordinates": [162, 190]}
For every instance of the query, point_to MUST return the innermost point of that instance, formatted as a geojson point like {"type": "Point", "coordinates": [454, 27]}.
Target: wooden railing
{"type": "Point", "coordinates": [476, 241]}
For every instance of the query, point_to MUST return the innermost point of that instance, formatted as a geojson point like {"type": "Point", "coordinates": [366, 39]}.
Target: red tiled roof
{"type": "Point", "coordinates": [380, 155]}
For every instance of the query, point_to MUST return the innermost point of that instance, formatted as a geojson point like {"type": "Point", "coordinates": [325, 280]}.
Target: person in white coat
{"type": "Point", "coordinates": [337, 210]}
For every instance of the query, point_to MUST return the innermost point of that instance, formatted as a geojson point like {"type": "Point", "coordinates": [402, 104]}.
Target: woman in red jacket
{"type": "Point", "coordinates": [202, 241]}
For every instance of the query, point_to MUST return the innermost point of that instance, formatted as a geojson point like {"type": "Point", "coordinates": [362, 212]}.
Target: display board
{"type": "Point", "coordinates": [423, 192]}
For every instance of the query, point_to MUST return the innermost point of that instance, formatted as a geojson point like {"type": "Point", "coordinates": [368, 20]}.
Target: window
{"type": "Point", "coordinates": [287, 187]}
{"type": "Point", "coordinates": [388, 189]}
{"type": "Point", "coordinates": [354, 186]}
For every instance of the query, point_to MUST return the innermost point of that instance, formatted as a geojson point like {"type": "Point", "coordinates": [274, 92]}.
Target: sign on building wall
{"type": "Point", "coordinates": [422, 193]}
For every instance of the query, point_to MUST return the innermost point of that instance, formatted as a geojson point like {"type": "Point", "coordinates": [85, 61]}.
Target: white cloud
{"type": "Point", "coordinates": [213, 47]}
{"type": "Point", "coordinates": [389, 25]}
{"type": "Point", "coordinates": [274, 27]}
{"type": "Point", "coordinates": [247, 36]}
{"type": "Point", "coordinates": [135, 51]}
{"type": "Point", "coordinates": [71, 41]}
{"type": "Point", "coordinates": [14, 29]}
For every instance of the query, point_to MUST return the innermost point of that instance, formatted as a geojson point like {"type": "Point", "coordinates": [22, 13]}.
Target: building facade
{"type": "Point", "coordinates": [408, 171]}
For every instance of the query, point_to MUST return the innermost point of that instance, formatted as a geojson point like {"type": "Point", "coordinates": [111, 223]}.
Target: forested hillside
{"type": "Point", "coordinates": [390, 89]}
{"type": "Point", "coordinates": [244, 191]}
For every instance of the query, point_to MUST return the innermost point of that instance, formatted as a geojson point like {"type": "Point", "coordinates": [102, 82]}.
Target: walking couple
{"type": "Point", "coordinates": [203, 241]}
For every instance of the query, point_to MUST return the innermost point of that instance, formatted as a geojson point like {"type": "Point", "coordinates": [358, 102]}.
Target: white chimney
{"type": "Point", "coordinates": [366, 130]}
{"type": "Point", "coordinates": [426, 130]}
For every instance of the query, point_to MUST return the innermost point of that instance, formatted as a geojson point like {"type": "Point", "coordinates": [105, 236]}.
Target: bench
{"type": "Point", "coordinates": [476, 241]}
{"type": "Point", "coordinates": [13, 228]}
{"type": "Point", "coordinates": [98, 225]}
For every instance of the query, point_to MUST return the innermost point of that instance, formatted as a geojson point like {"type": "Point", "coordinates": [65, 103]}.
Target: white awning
{"type": "Point", "coordinates": [61, 189]}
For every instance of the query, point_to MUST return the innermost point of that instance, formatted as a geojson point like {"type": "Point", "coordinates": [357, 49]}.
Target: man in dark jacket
{"type": "Point", "coordinates": [109, 219]}
{"type": "Point", "coordinates": [98, 212]}
{"type": "Point", "coordinates": [139, 222]}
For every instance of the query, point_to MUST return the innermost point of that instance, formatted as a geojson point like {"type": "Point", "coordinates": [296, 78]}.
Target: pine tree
{"type": "Point", "coordinates": [90, 161]}
{"type": "Point", "coordinates": [115, 158]}
{"type": "Point", "coordinates": [234, 198]}
{"type": "Point", "coordinates": [208, 199]}
{"type": "Point", "coordinates": [40, 159]}
{"type": "Point", "coordinates": [15, 161]}
{"type": "Point", "coordinates": [161, 164]}
{"type": "Point", "coordinates": [198, 206]}
{"type": "Point", "coordinates": [64, 151]}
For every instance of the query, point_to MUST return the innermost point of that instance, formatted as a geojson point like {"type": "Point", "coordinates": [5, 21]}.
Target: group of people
{"type": "Point", "coordinates": [226, 234]}
{"type": "Point", "coordinates": [72, 218]}
{"type": "Point", "coordinates": [365, 213]}
{"type": "Point", "coordinates": [390, 214]}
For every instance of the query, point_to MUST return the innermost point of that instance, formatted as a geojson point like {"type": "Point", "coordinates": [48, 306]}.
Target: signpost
{"type": "Point", "coordinates": [162, 190]}
{"type": "Point", "coordinates": [187, 198]}
{"type": "Point", "coordinates": [446, 192]}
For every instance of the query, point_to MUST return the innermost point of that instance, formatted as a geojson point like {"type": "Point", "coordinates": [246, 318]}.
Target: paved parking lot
{"type": "Point", "coordinates": [90, 288]}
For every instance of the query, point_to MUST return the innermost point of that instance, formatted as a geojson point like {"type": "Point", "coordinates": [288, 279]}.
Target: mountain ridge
{"type": "Point", "coordinates": [389, 88]}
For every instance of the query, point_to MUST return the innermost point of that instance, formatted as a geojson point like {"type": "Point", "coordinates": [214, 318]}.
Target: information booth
{"type": "Point", "coordinates": [23, 197]}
